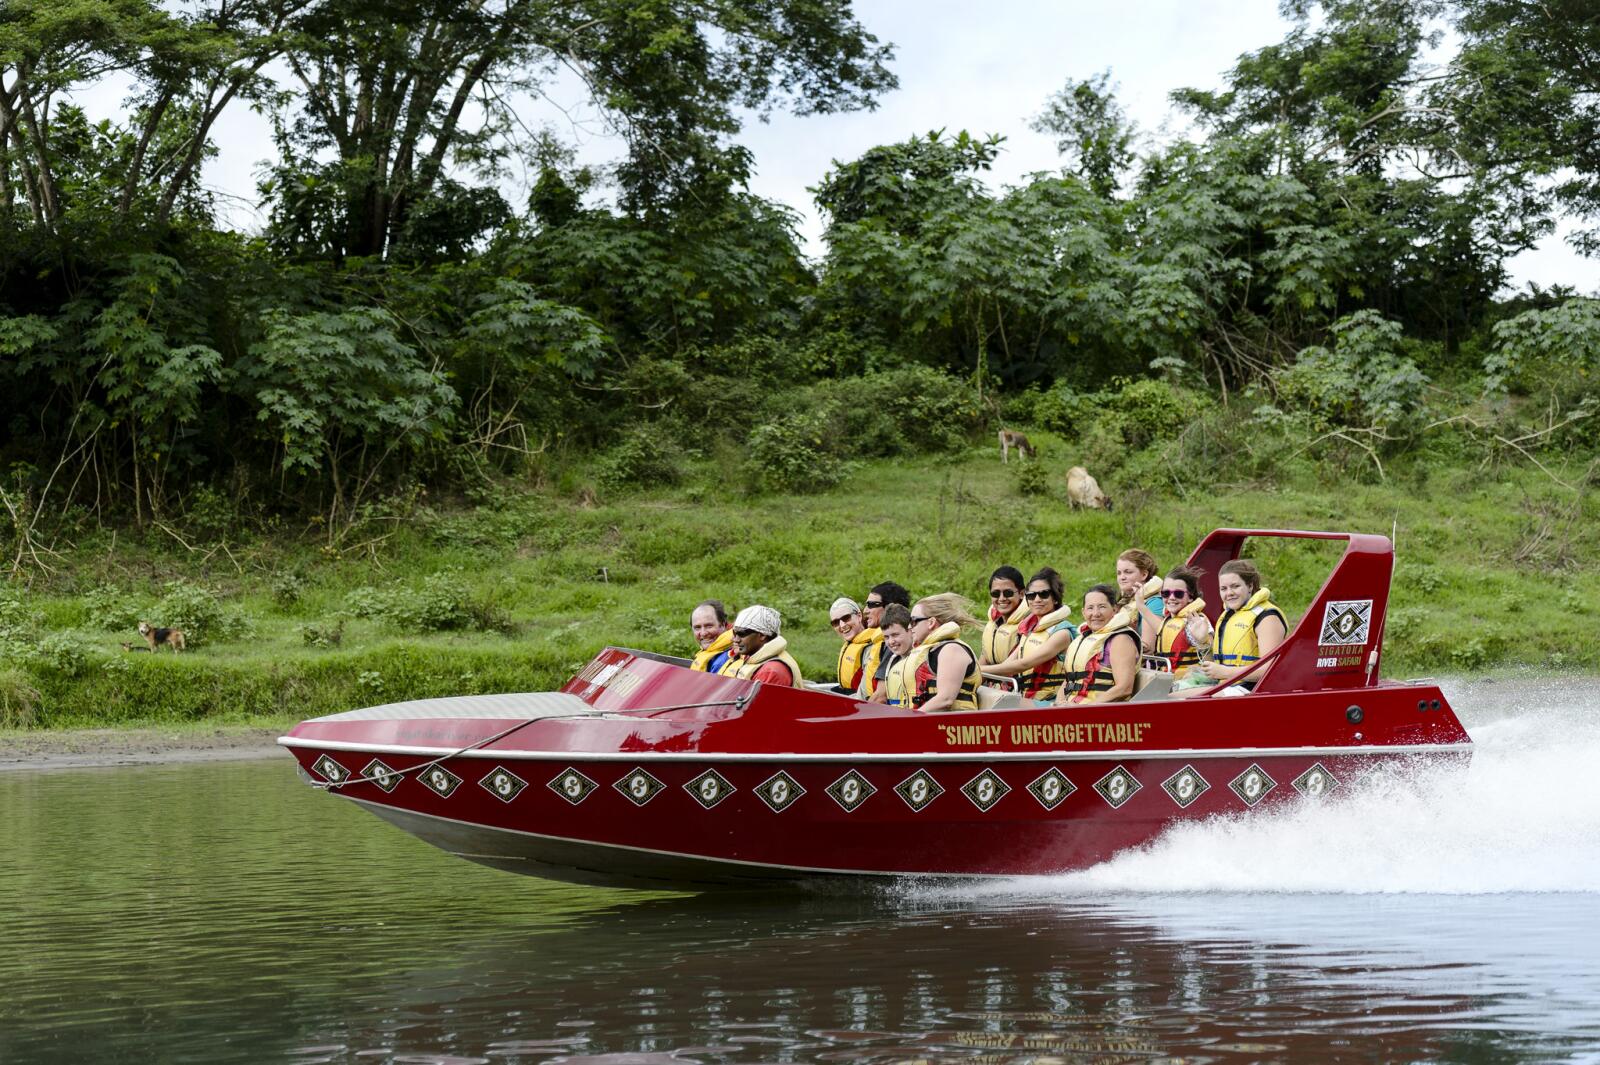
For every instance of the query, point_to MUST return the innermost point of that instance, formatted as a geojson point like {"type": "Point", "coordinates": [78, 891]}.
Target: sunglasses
{"type": "Point", "coordinates": [874, 606]}
{"type": "Point", "coordinates": [1174, 593]}
{"type": "Point", "coordinates": [836, 622]}
{"type": "Point", "coordinates": [1041, 595]}
{"type": "Point", "coordinates": [915, 620]}
{"type": "Point", "coordinates": [1003, 593]}
{"type": "Point", "coordinates": [744, 634]}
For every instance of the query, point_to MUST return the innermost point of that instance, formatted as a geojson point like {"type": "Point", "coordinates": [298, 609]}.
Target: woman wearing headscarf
{"type": "Point", "coordinates": [845, 617]}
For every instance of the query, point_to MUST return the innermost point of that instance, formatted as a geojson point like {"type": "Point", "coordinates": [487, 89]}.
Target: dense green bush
{"type": "Point", "coordinates": [199, 613]}
{"type": "Point", "coordinates": [646, 455]}
{"type": "Point", "coordinates": [796, 453]}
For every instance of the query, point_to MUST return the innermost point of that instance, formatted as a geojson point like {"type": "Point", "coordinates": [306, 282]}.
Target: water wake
{"type": "Point", "coordinates": [1524, 818]}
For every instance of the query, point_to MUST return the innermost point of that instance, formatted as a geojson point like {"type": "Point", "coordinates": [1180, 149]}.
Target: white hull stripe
{"type": "Point", "coordinates": [852, 758]}
{"type": "Point", "coordinates": [706, 858]}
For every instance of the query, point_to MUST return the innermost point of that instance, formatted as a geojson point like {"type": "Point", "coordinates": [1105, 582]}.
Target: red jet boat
{"type": "Point", "coordinates": [643, 772]}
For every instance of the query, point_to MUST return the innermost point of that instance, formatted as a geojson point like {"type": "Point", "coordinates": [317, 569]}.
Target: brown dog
{"type": "Point", "coordinates": [155, 637]}
{"type": "Point", "coordinates": [1010, 438]}
{"type": "Point", "coordinates": [1084, 491]}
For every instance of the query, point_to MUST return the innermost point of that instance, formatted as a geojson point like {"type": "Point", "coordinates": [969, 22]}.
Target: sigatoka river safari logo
{"type": "Point", "coordinates": [1346, 628]}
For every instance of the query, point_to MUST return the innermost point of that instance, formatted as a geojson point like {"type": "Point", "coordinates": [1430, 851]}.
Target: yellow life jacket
{"type": "Point", "coordinates": [1236, 630]}
{"type": "Point", "coordinates": [852, 655]}
{"type": "Point", "coordinates": [925, 677]}
{"type": "Point", "coordinates": [870, 662]}
{"type": "Point", "coordinates": [1080, 655]}
{"type": "Point", "coordinates": [1000, 637]}
{"type": "Point", "coordinates": [775, 648]}
{"type": "Point", "coordinates": [1044, 681]}
{"type": "Point", "coordinates": [702, 660]}
{"type": "Point", "coordinates": [1168, 636]}
{"type": "Point", "coordinates": [900, 681]}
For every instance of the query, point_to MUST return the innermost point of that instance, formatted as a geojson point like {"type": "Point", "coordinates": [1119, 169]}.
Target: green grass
{"type": "Point", "coordinates": [1492, 572]}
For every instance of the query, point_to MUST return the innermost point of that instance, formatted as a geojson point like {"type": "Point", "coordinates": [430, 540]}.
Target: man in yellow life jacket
{"type": "Point", "coordinates": [845, 617]}
{"type": "Point", "coordinates": [875, 663]}
{"type": "Point", "coordinates": [760, 653]}
{"type": "Point", "coordinates": [709, 623]}
{"type": "Point", "coordinates": [899, 662]}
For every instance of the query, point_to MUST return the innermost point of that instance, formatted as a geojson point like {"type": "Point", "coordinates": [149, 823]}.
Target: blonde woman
{"type": "Point", "coordinates": [944, 670]}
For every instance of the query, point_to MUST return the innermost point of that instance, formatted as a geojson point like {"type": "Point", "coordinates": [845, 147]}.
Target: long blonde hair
{"type": "Point", "coordinates": [947, 607]}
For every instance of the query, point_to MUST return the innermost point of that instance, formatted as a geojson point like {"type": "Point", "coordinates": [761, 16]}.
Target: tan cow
{"type": "Point", "coordinates": [1083, 491]}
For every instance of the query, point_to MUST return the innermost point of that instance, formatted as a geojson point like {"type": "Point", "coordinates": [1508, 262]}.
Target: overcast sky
{"type": "Point", "coordinates": [984, 67]}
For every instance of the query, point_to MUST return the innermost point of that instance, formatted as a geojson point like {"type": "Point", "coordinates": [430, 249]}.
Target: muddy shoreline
{"type": "Point", "coordinates": [110, 748]}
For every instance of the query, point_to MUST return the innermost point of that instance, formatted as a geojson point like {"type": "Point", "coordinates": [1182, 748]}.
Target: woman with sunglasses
{"type": "Point", "coordinates": [944, 671]}
{"type": "Point", "coordinates": [1043, 637]}
{"type": "Point", "coordinates": [1102, 662]}
{"type": "Point", "coordinates": [1006, 612]}
{"type": "Point", "coordinates": [845, 617]}
{"type": "Point", "coordinates": [1175, 640]}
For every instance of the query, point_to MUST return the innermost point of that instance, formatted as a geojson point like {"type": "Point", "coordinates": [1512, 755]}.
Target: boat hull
{"type": "Point", "coordinates": [695, 822]}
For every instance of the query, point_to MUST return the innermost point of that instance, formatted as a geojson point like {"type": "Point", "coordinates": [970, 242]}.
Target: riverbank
{"type": "Point", "coordinates": [517, 594]}
{"type": "Point", "coordinates": [36, 749]}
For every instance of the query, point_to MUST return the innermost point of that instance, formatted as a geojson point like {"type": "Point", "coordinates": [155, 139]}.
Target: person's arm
{"type": "Point", "coordinates": [1149, 630]}
{"type": "Point", "coordinates": [951, 672]}
{"type": "Point", "coordinates": [1124, 671]}
{"type": "Point", "coordinates": [774, 673]}
{"type": "Point", "coordinates": [1018, 663]}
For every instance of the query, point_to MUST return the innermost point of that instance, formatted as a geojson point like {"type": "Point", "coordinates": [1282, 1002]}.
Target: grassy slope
{"type": "Point", "coordinates": [575, 578]}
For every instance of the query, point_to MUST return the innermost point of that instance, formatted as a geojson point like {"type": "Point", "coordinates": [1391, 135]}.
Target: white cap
{"type": "Point", "coordinates": [762, 619]}
{"type": "Point", "coordinates": [843, 607]}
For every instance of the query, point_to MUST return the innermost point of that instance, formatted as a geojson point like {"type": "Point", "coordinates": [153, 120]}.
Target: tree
{"type": "Point", "coordinates": [1091, 130]}
{"type": "Point", "coordinates": [396, 95]}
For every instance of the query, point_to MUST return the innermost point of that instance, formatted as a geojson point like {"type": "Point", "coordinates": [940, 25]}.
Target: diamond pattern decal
{"type": "Point", "coordinates": [1346, 622]}
{"type": "Point", "coordinates": [1315, 781]}
{"type": "Point", "coordinates": [851, 790]}
{"type": "Point", "coordinates": [709, 788]}
{"type": "Point", "coordinates": [331, 771]}
{"type": "Point", "coordinates": [1185, 786]}
{"type": "Point", "coordinates": [779, 791]}
{"type": "Point", "coordinates": [918, 790]}
{"type": "Point", "coordinates": [1117, 787]}
{"type": "Point", "coordinates": [572, 785]}
{"type": "Point", "coordinates": [440, 780]}
{"type": "Point", "coordinates": [1051, 788]}
{"type": "Point", "coordinates": [1252, 785]}
{"type": "Point", "coordinates": [378, 773]}
{"type": "Point", "coordinates": [985, 789]}
{"type": "Point", "coordinates": [503, 784]}
{"type": "Point", "coordinates": [640, 787]}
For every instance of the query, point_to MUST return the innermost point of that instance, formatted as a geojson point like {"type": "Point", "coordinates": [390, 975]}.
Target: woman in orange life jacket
{"type": "Point", "coordinates": [944, 670]}
{"type": "Point", "coordinates": [1173, 640]}
{"type": "Point", "coordinates": [1042, 637]}
{"type": "Point", "coordinates": [1006, 612]}
{"type": "Point", "coordinates": [1102, 661]}
{"type": "Point", "coordinates": [1135, 567]}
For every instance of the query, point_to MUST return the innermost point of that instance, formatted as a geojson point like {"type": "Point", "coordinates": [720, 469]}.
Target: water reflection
{"type": "Point", "coordinates": [230, 914]}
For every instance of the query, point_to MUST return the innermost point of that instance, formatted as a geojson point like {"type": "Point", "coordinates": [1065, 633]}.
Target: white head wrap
{"type": "Point", "coordinates": [761, 619]}
{"type": "Point", "coordinates": [843, 607]}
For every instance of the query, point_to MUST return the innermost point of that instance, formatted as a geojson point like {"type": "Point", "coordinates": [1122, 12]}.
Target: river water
{"type": "Point", "coordinates": [229, 913]}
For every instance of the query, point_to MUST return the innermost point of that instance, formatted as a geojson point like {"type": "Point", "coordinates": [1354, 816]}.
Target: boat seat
{"type": "Point", "coordinates": [1152, 684]}
{"type": "Point", "coordinates": [992, 698]}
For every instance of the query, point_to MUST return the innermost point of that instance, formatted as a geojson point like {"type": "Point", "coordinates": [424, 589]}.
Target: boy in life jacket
{"type": "Point", "coordinates": [760, 653]}
{"type": "Point", "coordinates": [898, 685]}
{"type": "Point", "coordinates": [709, 623]}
